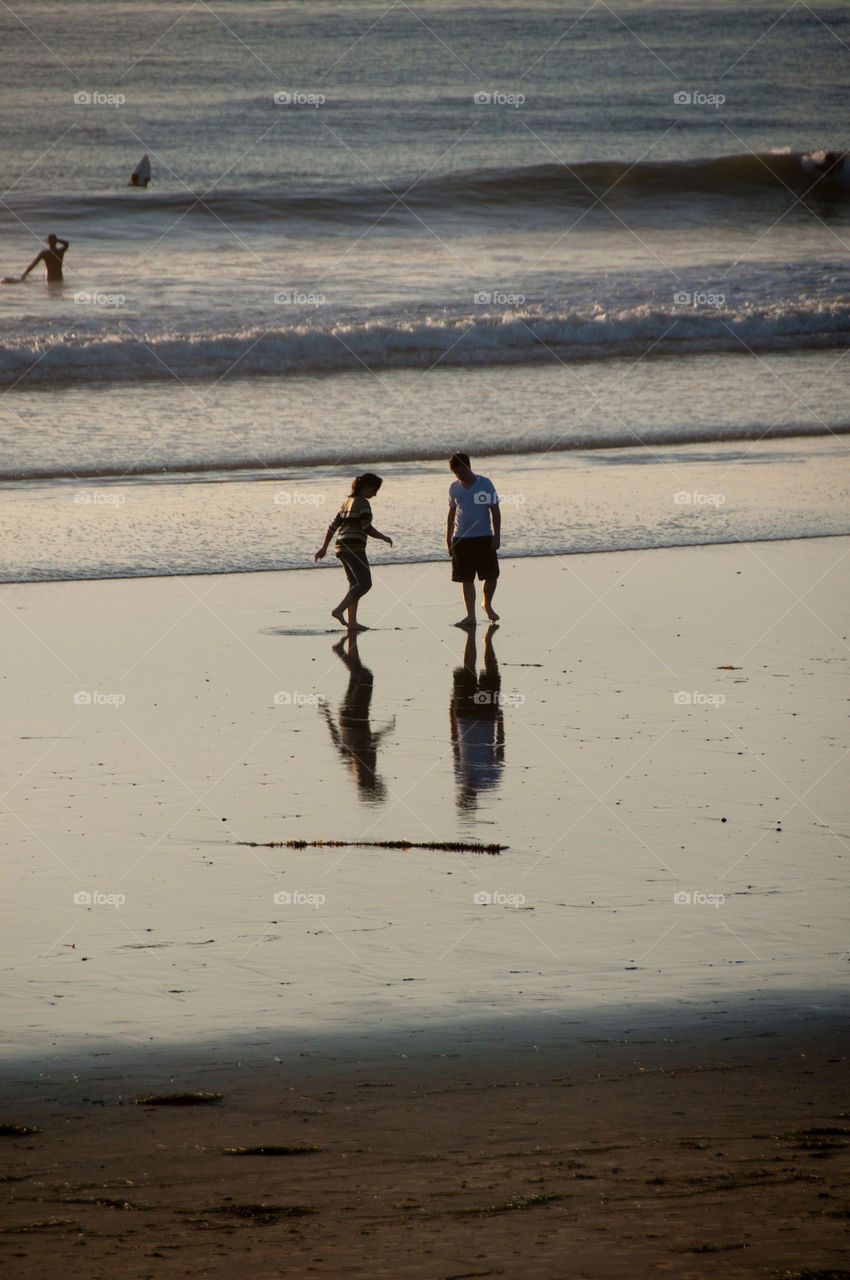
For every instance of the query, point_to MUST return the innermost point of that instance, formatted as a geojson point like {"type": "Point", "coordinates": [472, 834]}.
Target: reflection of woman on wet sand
{"type": "Point", "coordinates": [477, 723]}
{"type": "Point", "coordinates": [354, 738]}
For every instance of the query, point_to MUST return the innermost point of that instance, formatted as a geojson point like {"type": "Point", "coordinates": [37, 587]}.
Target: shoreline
{"type": "Point", "coordinates": [561, 504]}
{"type": "Point", "coordinates": [331, 563]}
{"type": "Point", "coordinates": [188, 472]}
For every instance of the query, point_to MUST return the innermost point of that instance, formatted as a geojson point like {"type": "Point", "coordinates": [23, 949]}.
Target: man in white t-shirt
{"type": "Point", "coordinates": [473, 534]}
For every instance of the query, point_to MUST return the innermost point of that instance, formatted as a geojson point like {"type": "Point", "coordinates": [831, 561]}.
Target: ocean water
{"type": "Point", "coordinates": [378, 233]}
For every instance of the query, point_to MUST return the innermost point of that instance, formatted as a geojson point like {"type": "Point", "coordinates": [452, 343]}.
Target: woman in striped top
{"type": "Point", "coordinates": [353, 525]}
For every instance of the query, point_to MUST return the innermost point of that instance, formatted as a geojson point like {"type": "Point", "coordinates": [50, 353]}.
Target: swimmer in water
{"type": "Point", "coordinates": [52, 258]}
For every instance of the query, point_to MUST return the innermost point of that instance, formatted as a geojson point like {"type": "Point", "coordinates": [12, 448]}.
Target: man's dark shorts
{"type": "Point", "coordinates": [471, 556]}
{"type": "Point", "coordinates": [356, 568]}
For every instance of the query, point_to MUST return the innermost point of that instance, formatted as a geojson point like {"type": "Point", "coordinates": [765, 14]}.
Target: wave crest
{"type": "Point", "coordinates": [510, 337]}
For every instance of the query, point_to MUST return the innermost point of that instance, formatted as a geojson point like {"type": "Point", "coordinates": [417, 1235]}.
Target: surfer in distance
{"type": "Point", "coordinates": [834, 165]}
{"type": "Point", "coordinates": [829, 166]}
{"type": "Point", "coordinates": [141, 175]}
{"type": "Point", "coordinates": [52, 258]}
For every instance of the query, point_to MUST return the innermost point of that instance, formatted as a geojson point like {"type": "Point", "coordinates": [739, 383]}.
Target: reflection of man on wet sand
{"type": "Point", "coordinates": [477, 723]}
{"type": "Point", "coordinates": [352, 735]}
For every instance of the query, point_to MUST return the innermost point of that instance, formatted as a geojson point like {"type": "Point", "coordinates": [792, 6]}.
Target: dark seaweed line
{"type": "Point", "coordinates": [440, 846]}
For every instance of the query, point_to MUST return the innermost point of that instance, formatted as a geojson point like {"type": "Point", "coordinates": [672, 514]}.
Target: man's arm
{"type": "Point", "coordinates": [450, 525]}
{"type": "Point", "coordinates": [34, 263]}
{"type": "Point", "coordinates": [496, 513]}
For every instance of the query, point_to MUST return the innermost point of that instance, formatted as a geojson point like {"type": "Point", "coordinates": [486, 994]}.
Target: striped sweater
{"type": "Point", "coordinates": [350, 524]}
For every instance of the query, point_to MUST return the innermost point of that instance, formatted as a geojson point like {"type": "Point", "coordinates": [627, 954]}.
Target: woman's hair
{"type": "Point", "coordinates": [368, 478]}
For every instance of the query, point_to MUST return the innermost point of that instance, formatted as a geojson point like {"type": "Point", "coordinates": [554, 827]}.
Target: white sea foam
{"type": "Point", "coordinates": [452, 339]}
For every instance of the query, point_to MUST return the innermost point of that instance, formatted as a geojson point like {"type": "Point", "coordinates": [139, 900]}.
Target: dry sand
{"type": "Point", "coordinates": [687, 1155]}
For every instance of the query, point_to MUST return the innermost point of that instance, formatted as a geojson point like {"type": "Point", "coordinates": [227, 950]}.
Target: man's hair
{"type": "Point", "coordinates": [458, 459]}
{"type": "Point", "coordinates": [359, 482]}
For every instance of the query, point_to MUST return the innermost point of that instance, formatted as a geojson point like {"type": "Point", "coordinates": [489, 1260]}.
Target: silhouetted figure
{"type": "Point", "coordinates": [52, 258]}
{"type": "Point", "coordinates": [827, 195]}
{"type": "Point", "coordinates": [473, 536]}
{"type": "Point", "coordinates": [352, 735]}
{"type": "Point", "coordinates": [477, 723]}
{"type": "Point", "coordinates": [353, 525]}
{"type": "Point", "coordinates": [141, 175]}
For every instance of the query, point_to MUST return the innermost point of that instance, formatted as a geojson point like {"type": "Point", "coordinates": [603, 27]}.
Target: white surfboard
{"type": "Point", "coordinates": [141, 175]}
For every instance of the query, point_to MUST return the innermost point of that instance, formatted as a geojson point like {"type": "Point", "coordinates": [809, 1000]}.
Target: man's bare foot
{"type": "Point", "coordinates": [465, 622]}
{"type": "Point", "coordinates": [357, 626]}
{"type": "Point", "coordinates": [491, 614]}
{"type": "Point", "coordinates": [335, 613]}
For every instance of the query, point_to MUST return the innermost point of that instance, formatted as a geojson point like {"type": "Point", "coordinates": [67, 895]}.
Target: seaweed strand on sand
{"type": "Point", "coordinates": [439, 846]}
